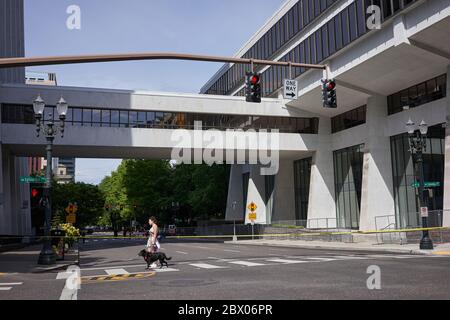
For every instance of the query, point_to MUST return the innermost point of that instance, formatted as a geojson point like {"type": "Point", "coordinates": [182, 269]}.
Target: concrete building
{"type": "Point", "coordinates": [359, 175]}
{"type": "Point", "coordinates": [15, 215]}
{"type": "Point", "coordinates": [347, 167]}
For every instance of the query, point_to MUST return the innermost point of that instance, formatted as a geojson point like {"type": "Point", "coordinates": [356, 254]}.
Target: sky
{"type": "Point", "coordinates": [210, 27]}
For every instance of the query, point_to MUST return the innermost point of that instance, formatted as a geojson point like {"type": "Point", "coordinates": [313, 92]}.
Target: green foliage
{"type": "Point", "coordinates": [89, 199]}
{"type": "Point", "coordinates": [139, 189]}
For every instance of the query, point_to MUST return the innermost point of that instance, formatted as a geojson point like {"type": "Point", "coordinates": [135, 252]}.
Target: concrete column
{"type": "Point", "coordinates": [446, 218]}
{"type": "Point", "coordinates": [2, 195]}
{"type": "Point", "coordinates": [5, 218]}
{"type": "Point", "coordinates": [321, 192]}
{"type": "Point", "coordinates": [377, 197]}
{"type": "Point", "coordinates": [284, 193]}
{"type": "Point", "coordinates": [235, 193]}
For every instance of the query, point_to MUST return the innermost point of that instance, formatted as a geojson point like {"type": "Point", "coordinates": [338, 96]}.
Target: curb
{"type": "Point", "coordinates": [404, 251]}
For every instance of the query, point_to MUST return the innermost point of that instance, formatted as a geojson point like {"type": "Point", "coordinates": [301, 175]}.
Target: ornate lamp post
{"type": "Point", "coordinates": [417, 143]}
{"type": "Point", "coordinates": [47, 255]}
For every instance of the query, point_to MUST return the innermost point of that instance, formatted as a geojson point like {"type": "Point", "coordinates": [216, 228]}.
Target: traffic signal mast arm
{"type": "Point", "coordinates": [55, 60]}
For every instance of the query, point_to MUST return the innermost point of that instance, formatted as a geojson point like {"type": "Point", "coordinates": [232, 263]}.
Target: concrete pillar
{"type": "Point", "coordinates": [284, 193]}
{"type": "Point", "coordinates": [377, 197]}
{"type": "Point", "coordinates": [322, 202]}
{"type": "Point", "coordinates": [2, 195]}
{"type": "Point", "coordinates": [235, 193]}
{"type": "Point", "coordinates": [446, 218]}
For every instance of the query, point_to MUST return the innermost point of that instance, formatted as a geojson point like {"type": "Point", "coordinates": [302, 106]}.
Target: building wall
{"type": "Point", "coordinates": [12, 38]}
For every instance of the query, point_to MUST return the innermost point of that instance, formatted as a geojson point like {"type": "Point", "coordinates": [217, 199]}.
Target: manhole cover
{"type": "Point", "coordinates": [185, 283]}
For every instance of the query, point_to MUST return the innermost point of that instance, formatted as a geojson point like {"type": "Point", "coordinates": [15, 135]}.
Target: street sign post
{"type": "Point", "coordinates": [33, 180]}
{"type": "Point", "coordinates": [290, 89]}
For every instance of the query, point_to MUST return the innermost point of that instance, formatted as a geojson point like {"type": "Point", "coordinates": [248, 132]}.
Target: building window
{"type": "Point", "coordinates": [20, 114]}
{"type": "Point", "coordinates": [349, 119]}
{"type": "Point", "coordinates": [403, 172]}
{"type": "Point", "coordinates": [302, 176]}
{"type": "Point", "coordinates": [419, 94]}
{"type": "Point", "coordinates": [348, 164]}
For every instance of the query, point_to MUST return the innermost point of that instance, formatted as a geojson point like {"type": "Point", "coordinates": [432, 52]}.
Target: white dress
{"type": "Point", "coordinates": [149, 242]}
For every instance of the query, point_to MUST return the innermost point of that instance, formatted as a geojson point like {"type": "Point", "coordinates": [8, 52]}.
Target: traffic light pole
{"type": "Point", "coordinates": [47, 255]}
{"type": "Point", "coordinates": [56, 60]}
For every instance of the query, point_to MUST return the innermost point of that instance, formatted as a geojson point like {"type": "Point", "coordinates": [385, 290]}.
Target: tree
{"type": "Point", "coordinates": [89, 200]}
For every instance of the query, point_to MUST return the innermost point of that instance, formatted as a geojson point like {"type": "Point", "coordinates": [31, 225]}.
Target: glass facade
{"type": "Point", "coordinates": [431, 90]}
{"type": "Point", "coordinates": [302, 176]}
{"type": "Point", "coordinates": [23, 114]}
{"type": "Point", "coordinates": [345, 27]}
{"type": "Point", "coordinates": [348, 165]}
{"type": "Point", "coordinates": [349, 119]}
{"type": "Point", "coordinates": [403, 171]}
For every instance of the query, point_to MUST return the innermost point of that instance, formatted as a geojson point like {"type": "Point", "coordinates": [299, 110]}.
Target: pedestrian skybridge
{"type": "Point", "coordinates": [104, 123]}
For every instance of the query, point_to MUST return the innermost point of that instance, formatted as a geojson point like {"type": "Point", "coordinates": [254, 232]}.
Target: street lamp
{"type": "Point", "coordinates": [417, 144]}
{"type": "Point", "coordinates": [47, 255]}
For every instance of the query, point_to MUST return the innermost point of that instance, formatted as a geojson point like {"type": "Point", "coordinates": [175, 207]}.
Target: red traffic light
{"type": "Point", "coordinates": [34, 193]}
{"type": "Point", "coordinates": [331, 85]}
{"type": "Point", "coordinates": [254, 80]}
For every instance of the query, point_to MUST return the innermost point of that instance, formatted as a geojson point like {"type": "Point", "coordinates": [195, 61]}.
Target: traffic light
{"type": "Point", "coordinates": [253, 87]}
{"type": "Point", "coordinates": [329, 93]}
{"type": "Point", "coordinates": [36, 194]}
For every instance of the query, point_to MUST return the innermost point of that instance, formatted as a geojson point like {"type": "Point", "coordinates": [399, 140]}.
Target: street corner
{"type": "Point", "coordinates": [117, 278]}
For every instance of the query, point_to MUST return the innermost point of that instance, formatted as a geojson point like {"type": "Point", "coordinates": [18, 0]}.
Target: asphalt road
{"type": "Point", "coordinates": [202, 270]}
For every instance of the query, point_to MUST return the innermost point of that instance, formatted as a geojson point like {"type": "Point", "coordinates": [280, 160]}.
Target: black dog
{"type": "Point", "coordinates": [153, 257]}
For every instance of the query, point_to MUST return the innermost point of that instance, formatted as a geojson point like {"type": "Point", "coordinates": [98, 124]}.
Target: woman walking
{"type": "Point", "coordinates": [153, 245]}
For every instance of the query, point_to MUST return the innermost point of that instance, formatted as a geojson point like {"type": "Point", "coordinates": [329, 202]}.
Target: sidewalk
{"type": "Point", "coordinates": [25, 261]}
{"type": "Point", "coordinates": [439, 249]}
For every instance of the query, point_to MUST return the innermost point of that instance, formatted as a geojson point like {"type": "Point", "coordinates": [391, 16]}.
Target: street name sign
{"type": "Point", "coordinates": [434, 184]}
{"type": "Point", "coordinates": [33, 180]}
{"type": "Point", "coordinates": [290, 89]}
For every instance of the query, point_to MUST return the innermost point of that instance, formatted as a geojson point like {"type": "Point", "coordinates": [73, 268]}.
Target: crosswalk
{"type": "Point", "coordinates": [224, 264]}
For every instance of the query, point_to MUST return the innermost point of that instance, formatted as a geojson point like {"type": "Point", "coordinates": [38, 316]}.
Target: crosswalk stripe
{"type": "Point", "coordinates": [285, 261]}
{"type": "Point", "coordinates": [157, 270]}
{"type": "Point", "coordinates": [11, 284]}
{"type": "Point", "coordinates": [247, 263]}
{"type": "Point", "coordinates": [181, 252]}
{"type": "Point", "coordinates": [116, 271]}
{"type": "Point", "coordinates": [5, 288]}
{"type": "Point", "coordinates": [205, 266]}
{"type": "Point", "coordinates": [321, 259]}
{"type": "Point", "coordinates": [348, 258]}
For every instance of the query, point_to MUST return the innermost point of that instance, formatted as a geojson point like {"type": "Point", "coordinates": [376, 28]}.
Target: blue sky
{"type": "Point", "coordinates": [213, 27]}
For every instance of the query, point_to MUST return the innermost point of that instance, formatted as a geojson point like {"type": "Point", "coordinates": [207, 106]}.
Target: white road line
{"type": "Point", "coordinates": [247, 263]}
{"type": "Point", "coordinates": [157, 270]}
{"type": "Point", "coordinates": [116, 271]}
{"type": "Point", "coordinates": [285, 261]}
{"type": "Point", "coordinates": [348, 258]}
{"type": "Point", "coordinates": [11, 284]}
{"type": "Point", "coordinates": [5, 288]}
{"type": "Point", "coordinates": [206, 266]}
{"type": "Point", "coordinates": [203, 248]}
{"type": "Point", "coordinates": [181, 252]}
{"type": "Point", "coordinates": [320, 259]}
{"type": "Point", "coordinates": [63, 275]}
{"type": "Point", "coordinates": [231, 250]}
{"type": "Point", "coordinates": [105, 267]}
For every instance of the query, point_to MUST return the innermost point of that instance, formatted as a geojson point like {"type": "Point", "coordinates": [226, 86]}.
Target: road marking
{"type": "Point", "coordinates": [63, 275]}
{"type": "Point", "coordinates": [105, 267]}
{"type": "Point", "coordinates": [11, 284]}
{"type": "Point", "coordinates": [115, 278]}
{"type": "Point", "coordinates": [165, 270]}
{"type": "Point", "coordinates": [348, 258]}
{"type": "Point", "coordinates": [231, 250]}
{"type": "Point", "coordinates": [203, 248]}
{"type": "Point", "coordinates": [116, 271]}
{"type": "Point", "coordinates": [285, 261]}
{"type": "Point", "coordinates": [5, 288]}
{"type": "Point", "coordinates": [247, 263]}
{"type": "Point", "coordinates": [181, 252]}
{"type": "Point", "coordinates": [206, 266]}
{"type": "Point", "coordinates": [320, 259]}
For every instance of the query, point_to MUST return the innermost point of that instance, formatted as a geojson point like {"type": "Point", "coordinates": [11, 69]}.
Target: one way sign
{"type": "Point", "coordinates": [290, 89]}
